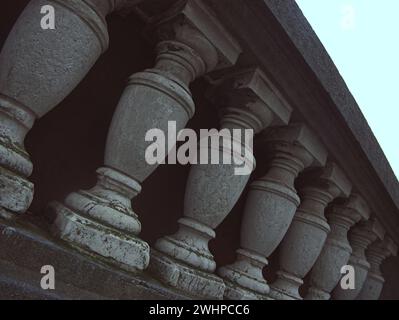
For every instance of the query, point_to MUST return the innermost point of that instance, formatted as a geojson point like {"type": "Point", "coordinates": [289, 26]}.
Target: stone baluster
{"type": "Point", "coordinates": [336, 251]}
{"type": "Point", "coordinates": [308, 231]}
{"type": "Point", "coordinates": [360, 237]}
{"type": "Point", "coordinates": [38, 69]}
{"type": "Point", "coordinates": [247, 101]}
{"type": "Point", "coordinates": [376, 253]}
{"type": "Point", "coordinates": [101, 220]}
{"type": "Point", "coordinates": [270, 207]}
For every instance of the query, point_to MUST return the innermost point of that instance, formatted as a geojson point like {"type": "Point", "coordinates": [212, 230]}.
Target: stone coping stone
{"type": "Point", "coordinates": [25, 248]}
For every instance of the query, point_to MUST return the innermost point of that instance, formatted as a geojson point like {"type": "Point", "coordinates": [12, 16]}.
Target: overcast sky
{"type": "Point", "coordinates": [362, 37]}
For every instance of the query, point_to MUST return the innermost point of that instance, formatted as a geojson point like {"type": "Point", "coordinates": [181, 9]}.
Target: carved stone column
{"type": "Point", "coordinates": [376, 253]}
{"type": "Point", "coordinates": [247, 100]}
{"type": "Point", "coordinates": [101, 220]}
{"type": "Point", "coordinates": [270, 207]}
{"type": "Point", "coordinates": [308, 231]}
{"type": "Point", "coordinates": [38, 69]}
{"type": "Point", "coordinates": [336, 251]}
{"type": "Point", "coordinates": [360, 237]}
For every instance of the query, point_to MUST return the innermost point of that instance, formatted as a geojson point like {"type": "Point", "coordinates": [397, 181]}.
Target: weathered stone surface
{"type": "Point", "coordinates": [360, 237]}
{"type": "Point", "coordinates": [186, 49]}
{"type": "Point", "coordinates": [102, 221]}
{"type": "Point", "coordinates": [127, 251]}
{"type": "Point", "coordinates": [38, 69]}
{"type": "Point", "coordinates": [291, 52]}
{"type": "Point", "coordinates": [103, 215]}
{"type": "Point", "coordinates": [250, 87]}
{"type": "Point", "coordinates": [198, 15]}
{"type": "Point", "coordinates": [244, 278]}
{"type": "Point", "coordinates": [18, 283]}
{"type": "Point", "coordinates": [271, 203]}
{"type": "Point", "coordinates": [24, 249]}
{"type": "Point", "coordinates": [377, 252]}
{"type": "Point", "coordinates": [306, 236]}
{"type": "Point", "coordinates": [185, 278]}
{"type": "Point", "coordinates": [213, 189]}
{"type": "Point", "coordinates": [336, 252]}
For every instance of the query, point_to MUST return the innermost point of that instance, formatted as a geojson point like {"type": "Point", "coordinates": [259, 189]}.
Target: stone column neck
{"type": "Point", "coordinates": [289, 151]}
{"type": "Point", "coordinates": [314, 201]}
{"type": "Point", "coordinates": [180, 61]}
{"type": "Point", "coordinates": [242, 126]}
{"type": "Point", "coordinates": [376, 258]}
{"type": "Point", "coordinates": [239, 118]}
{"type": "Point", "coordinates": [360, 238]}
{"type": "Point", "coordinates": [286, 164]}
{"type": "Point", "coordinates": [378, 251]}
{"type": "Point", "coordinates": [319, 187]}
{"type": "Point", "coordinates": [341, 220]}
{"type": "Point", "coordinates": [183, 52]}
{"type": "Point", "coordinates": [191, 42]}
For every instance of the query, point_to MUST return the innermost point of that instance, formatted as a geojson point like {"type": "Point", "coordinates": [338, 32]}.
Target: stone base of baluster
{"type": "Point", "coordinates": [183, 277]}
{"type": "Point", "coordinates": [98, 240]}
{"type": "Point", "coordinates": [372, 287]}
{"type": "Point", "coordinates": [286, 287]}
{"type": "Point", "coordinates": [244, 279]}
{"type": "Point", "coordinates": [4, 214]}
{"type": "Point", "coordinates": [235, 292]}
{"type": "Point", "coordinates": [277, 294]}
{"type": "Point", "coordinates": [7, 215]}
{"type": "Point", "coordinates": [16, 194]}
{"type": "Point", "coordinates": [317, 294]}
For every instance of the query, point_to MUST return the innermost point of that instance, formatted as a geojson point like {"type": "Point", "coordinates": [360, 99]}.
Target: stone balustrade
{"type": "Point", "coordinates": [104, 213]}
{"type": "Point", "coordinates": [301, 202]}
{"type": "Point", "coordinates": [246, 101]}
{"type": "Point", "coordinates": [376, 253]}
{"type": "Point", "coordinates": [360, 237]}
{"type": "Point", "coordinates": [309, 229]}
{"type": "Point", "coordinates": [336, 251]}
{"type": "Point", "coordinates": [270, 208]}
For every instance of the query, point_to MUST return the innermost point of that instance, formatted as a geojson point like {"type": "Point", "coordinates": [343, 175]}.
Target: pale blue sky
{"type": "Point", "coordinates": [362, 37]}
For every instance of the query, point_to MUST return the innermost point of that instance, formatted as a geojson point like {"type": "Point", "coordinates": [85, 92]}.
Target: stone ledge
{"type": "Point", "coordinates": [24, 249]}
{"type": "Point", "coordinates": [18, 283]}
